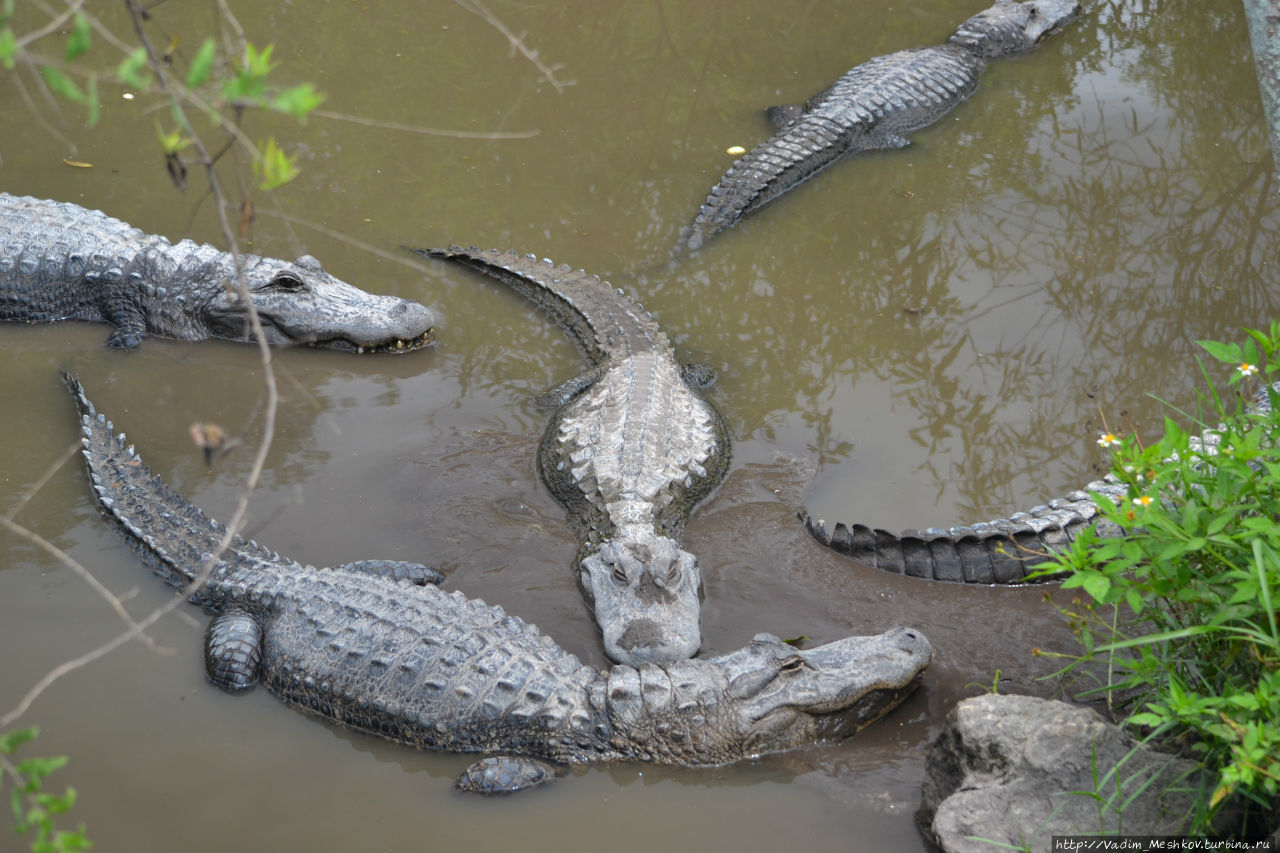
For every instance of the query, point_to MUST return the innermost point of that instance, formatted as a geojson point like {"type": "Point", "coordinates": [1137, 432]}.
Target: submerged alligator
{"type": "Point", "coordinates": [632, 449]}
{"type": "Point", "coordinates": [60, 261]}
{"type": "Point", "coordinates": [379, 648]}
{"type": "Point", "coordinates": [874, 106]}
{"type": "Point", "coordinates": [1002, 551]}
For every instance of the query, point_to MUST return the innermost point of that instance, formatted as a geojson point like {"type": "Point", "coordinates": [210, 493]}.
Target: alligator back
{"type": "Point", "coordinates": [60, 261]}
{"type": "Point", "coordinates": [630, 453]}
{"type": "Point", "coordinates": [637, 434]}
{"type": "Point", "coordinates": [871, 107]}
{"type": "Point", "coordinates": [409, 663]}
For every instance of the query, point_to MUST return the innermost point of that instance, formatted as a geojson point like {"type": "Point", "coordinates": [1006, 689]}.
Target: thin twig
{"type": "Point", "coordinates": [429, 131]}
{"type": "Point", "coordinates": [259, 462]}
{"type": "Point", "coordinates": [477, 7]}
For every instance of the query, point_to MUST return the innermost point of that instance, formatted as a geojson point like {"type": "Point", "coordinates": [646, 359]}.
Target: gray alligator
{"type": "Point", "coordinates": [59, 261]}
{"type": "Point", "coordinates": [379, 648]}
{"type": "Point", "coordinates": [874, 106]}
{"type": "Point", "coordinates": [1002, 551]}
{"type": "Point", "coordinates": [632, 449]}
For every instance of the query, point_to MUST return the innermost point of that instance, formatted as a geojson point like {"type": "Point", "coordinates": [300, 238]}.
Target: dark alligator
{"type": "Point", "coordinates": [378, 648]}
{"type": "Point", "coordinates": [59, 261]}
{"type": "Point", "coordinates": [1002, 551]}
{"type": "Point", "coordinates": [874, 106]}
{"type": "Point", "coordinates": [633, 448]}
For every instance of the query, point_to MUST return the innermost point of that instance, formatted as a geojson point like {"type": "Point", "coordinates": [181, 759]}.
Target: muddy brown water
{"type": "Point", "coordinates": [919, 337]}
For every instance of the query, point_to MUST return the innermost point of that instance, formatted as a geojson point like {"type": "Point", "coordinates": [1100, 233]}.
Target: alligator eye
{"type": "Point", "coordinates": [619, 576]}
{"type": "Point", "coordinates": [673, 574]}
{"type": "Point", "coordinates": [288, 282]}
{"type": "Point", "coordinates": [792, 664]}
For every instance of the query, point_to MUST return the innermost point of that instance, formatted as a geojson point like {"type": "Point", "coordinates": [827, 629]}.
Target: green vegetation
{"type": "Point", "coordinates": [220, 84]}
{"type": "Point", "coordinates": [33, 808]}
{"type": "Point", "coordinates": [1184, 612]}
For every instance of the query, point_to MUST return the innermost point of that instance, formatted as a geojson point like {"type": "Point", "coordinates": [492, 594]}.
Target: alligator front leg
{"type": "Point", "coordinates": [131, 325]}
{"type": "Point", "coordinates": [416, 573]}
{"type": "Point", "coordinates": [560, 395]}
{"type": "Point", "coordinates": [504, 774]}
{"type": "Point", "coordinates": [233, 650]}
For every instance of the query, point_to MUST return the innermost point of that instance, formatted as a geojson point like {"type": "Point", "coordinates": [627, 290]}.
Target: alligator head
{"type": "Point", "coordinates": [644, 590]}
{"type": "Point", "coordinates": [300, 303]}
{"type": "Point", "coordinates": [1009, 28]}
{"type": "Point", "coordinates": [780, 697]}
{"type": "Point", "coordinates": [766, 697]}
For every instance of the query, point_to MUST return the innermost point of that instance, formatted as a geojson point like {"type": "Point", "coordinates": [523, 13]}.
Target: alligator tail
{"type": "Point", "coordinates": [1003, 551]}
{"type": "Point", "coordinates": [770, 169]}
{"type": "Point", "coordinates": [169, 533]}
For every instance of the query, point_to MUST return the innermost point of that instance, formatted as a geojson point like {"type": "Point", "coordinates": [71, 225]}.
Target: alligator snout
{"type": "Point", "coordinates": [646, 641]}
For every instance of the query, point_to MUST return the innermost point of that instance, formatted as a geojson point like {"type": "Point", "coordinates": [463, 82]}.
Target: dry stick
{"type": "Point", "coordinates": [477, 7]}
{"type": "Point", "coordinates": [259, 461]}
{"type": "Point", "coordinates": [429, 131]}
{"type": "Point", "coordinates": [70, 562]}
{"type": "Point", "coordinates": [403, 258]}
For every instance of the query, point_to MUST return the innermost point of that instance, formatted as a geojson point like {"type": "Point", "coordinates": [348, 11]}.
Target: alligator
{"type": "Point", "coordinates": [379, 647]}
{"type": "Point", "coordinates": [1002, 551]}
{"type": "Point", "coordinates": [873, 107]}
{"type": "Point", "coordinates": [60, 261]}
{"type": "Point", "coordinates": [631, 450]}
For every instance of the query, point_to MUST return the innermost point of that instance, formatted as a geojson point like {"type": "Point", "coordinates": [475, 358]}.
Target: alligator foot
{"type": "Point", "coordinates": [415, 573]}
{"type": "Point", "coordinates": [233, 650]}
{"type": "Point", "coordinates": [504, 774]}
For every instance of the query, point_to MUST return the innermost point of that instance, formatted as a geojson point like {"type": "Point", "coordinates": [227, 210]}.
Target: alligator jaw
{"type": "Point", "coordinates": [398, 346]}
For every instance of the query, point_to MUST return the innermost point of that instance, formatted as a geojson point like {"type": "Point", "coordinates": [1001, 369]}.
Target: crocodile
{"type": "Point", "coordinates": [380, 648]}
{"type": "Point", "coordinates": [632, 449]}
{"type": "Point", "coordinates": [873, 107]}
{"type": "Point", "coordinates": [1004, 550]}
{"type": "Point", "coordinates": [60, 261]}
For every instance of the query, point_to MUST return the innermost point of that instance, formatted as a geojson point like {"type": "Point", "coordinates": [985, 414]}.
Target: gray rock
{"type": "Point", "coordinates": [1017, 770]}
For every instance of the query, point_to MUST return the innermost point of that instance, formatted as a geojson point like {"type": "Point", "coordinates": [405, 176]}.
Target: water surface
{"type": "Point", "coordinates": [925, 336]}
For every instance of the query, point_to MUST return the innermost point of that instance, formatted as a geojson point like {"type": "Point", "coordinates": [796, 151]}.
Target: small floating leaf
{"type": "Point", "coordinates": [79, 164]}
{"type": "Point", "coordinates": [735, 151]}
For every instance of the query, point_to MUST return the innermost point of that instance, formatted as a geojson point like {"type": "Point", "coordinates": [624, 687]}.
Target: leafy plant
{"type": "Point", "coordinates": [219, 86]}
{"type": "Point", "coordinates": [1184, 610]}
{"type": "Point", "coordinates": [34, 809]}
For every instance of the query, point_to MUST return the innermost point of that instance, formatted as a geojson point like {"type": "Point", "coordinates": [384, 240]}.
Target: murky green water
{"type": "Point", "coordinates": [919, 337]}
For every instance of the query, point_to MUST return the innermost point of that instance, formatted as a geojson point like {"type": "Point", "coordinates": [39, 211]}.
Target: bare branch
{"type": "Point", "coordinates": [477, 7]}
{"type": "Point", "coordinates": [429, 131]}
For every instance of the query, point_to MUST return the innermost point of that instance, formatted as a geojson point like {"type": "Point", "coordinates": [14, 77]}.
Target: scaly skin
{"type": "Point", "coordinates": [874, 106]}
{"type": "Point", "coordinates": [59, 261]}
{"type": "Point", "coordinates": [631, 451]}
{"type": "Point", "coordinates": [401, 659]}
{"type": "Point", "coordinates": [1002, 551]}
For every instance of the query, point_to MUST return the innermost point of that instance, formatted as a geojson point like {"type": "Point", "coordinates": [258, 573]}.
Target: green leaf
{"type": "Point", "coordinates": [1096, 584]}
{"type": "Point", "coordinates": [8, 47]}
{"type": "Point", "coordinates": [297, 101]}
{"type": "Point", "coordinates": [78, 39]}
{"type": "Point", "coordinates": [132, 69]}
{"type": "Point", "coordinates": [1228, 353]}
{"type": "Point", "coordinates": [61, 84]}
{"type": "Point", "coordinates": [9, 741]}
{"type": "Point", "coordinates": [202, 64]}
{"type": "Point", "coordinates": [273, 167]}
